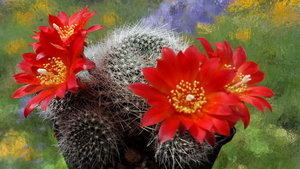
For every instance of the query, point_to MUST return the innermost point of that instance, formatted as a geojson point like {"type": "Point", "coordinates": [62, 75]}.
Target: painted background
{"type": "Point", "coordinates": [269, 30]}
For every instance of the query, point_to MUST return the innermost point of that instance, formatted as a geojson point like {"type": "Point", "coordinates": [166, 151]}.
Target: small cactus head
{"type": "Point", "coordinates": [181, 152]}
{"type": "Point", "coordinates": [88, 140]}
{"type": "Point", "coordinates": [87, 136]}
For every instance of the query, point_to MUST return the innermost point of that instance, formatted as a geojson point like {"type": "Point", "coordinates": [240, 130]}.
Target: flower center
{"type": "Point", "coordinates": [66, 31]}
{"type": "Point", "coordinates": [187, 97]}
{"type": "Point", "coordinates": [239, 86]}
{"type": "Point", "coordinates": [52, 73]}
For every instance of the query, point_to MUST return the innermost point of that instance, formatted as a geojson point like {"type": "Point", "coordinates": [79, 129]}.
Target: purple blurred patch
{"type": "Point", "coordinates": [23, 102]}
{"type": "Point", "coordinates": [183, 15]}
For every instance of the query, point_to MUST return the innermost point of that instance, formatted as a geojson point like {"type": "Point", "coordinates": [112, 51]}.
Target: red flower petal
{"type": "Point", "coordinates": [72, 85]}
{"type": "Point", "coordinates": [187, 122]}
{"type": "Point", "coordinates": [35, 101]}
{"type": "Point", "coordinates": [61, 90]}
{"type": "Point", "coordinates": [154, 78]}
{"type": "Point", "coordinates": [81, 64]}
{"type": "Point", "coordinates": [46, 101]}
{"type": "Point", "coordinates": [198, 133]}
{"type": "Point", "coordinates": [164, 68]}
{"type": "Point", "coordinates": [256, 77]}
{"type": "Point", "coordinates": [64, 18]}
{"type": "Point", "coordinates": [94, 28]}
{"type": "Point", "coordinates": [208, 71]}
{"type": "Point", "coordinates": [25, 66]}
{"type": "Point", "coordinates": [239, 57]}
{"type": "Point", "coordinates": [259, 91]}
{"type": "Point", "coordinates": [29, 57]}
{"type": "Point", "coordinates": [55, 20]}
{"type": "Point", "coordinates": [221, 126]}
{"type": "Point", "coordinates": [224, 98]}
{"type": "Point", "coordinates": [146, 91]}
{"type": "Point", "coordinates": [168, 55]}
{"type": "Point", "coordinates": [155, 115]}
{"type": "Point", "coordinates": [242, 108]}
{"type": "Point", "coordinates": [220, 79]}
{"type": "Point", "coordinates": [204, 122]}
{"type": "Point", "coordinates": [207, 47]}
{"type": "Point", "coordinates": [190, 63]}
{"type": "Point", "coordinates": [224, 52]}
{"type": "Point", "coordinates": [168, 129]}
{"type": "Point", "coordinates": [210, 138]}
{"type": "Point", "coordinates": [25, 78]}
{"type": "Point", "coordinates": [248, 68]}
{"type": "Point", "coordinates": [219, 109]}
{"type": "Point", "coordinates": [228, 53]}
{"type": "Point", "coordinates": [27, 89]}
{"type": "Point", "coordinates": [257, 102]}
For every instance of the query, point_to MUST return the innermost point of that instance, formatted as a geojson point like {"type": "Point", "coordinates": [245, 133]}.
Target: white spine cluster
{"type": "Point", "coordinates": [182, 152]}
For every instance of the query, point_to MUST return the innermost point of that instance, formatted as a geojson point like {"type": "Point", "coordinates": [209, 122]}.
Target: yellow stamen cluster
{"type": "Point", "coordinates": [187, 97]}
{"type": "Point", "coordinates": [239, 86]}
{"type": "Point", "coordinates": [66, 31]}
{"type": "Point", "coordinates": [53, 73]}
{"type": "Point", "coordinates": [229, 67]}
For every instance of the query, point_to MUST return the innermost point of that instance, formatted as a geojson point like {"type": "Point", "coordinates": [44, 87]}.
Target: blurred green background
{"type": "Point", "coordinates": [269, 30]}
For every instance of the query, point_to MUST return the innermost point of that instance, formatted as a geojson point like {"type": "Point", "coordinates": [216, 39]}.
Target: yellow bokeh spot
{"type": "Point", "coordinates": [286, 13]}
{"type": "Point", "coordinates": [14, 4]}
{"type": "Point", "coordinates": [221, 19]}
{"type": "Point", "coordinates": [280, 12]}
{"type": "Point", "coordinates": [15, 46]}
{"type": "Point", "coordinates": [203, 28]}
{"type": "Point", "coordinates": [240, 5]}
{"type": "Point", "coordinates": [14, 145]}
{"type": "Point", "coordinates": [24, 18]}
{"type": "Point", "coordinates": [45, 6]}
{"type": "Point", "coordinates": [110, 18]}
{"type": "Point", "coordinates": [242, 34]}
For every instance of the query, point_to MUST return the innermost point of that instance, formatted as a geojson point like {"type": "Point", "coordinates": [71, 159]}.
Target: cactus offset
{"type": "Point", "coordinates": [181, 152]}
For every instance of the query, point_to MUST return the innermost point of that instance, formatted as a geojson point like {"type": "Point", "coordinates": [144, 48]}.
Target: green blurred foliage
{"type": "Point", "coordinates": [270, 142]}
{"type": "Point", "coordinates": [272, 139]}
{"type": "Point", "coordinates": [31, 145]}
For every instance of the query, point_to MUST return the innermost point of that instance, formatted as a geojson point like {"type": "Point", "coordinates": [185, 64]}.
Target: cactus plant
{"type": "Point", "coordinates": [105, 105]}
{"type": "Point", "coordinates": [96, 113]}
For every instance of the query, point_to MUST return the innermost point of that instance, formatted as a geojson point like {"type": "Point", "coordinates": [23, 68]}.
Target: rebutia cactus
{"type": "Point", "coordinates": [96, 126]}
{"type": "Point", "coordinates": [86, 136]}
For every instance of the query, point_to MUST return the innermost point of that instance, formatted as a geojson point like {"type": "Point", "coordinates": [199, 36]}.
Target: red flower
{"type": "Point", "coordinates": [186, 97]}
{"type": "Point", "coordinates": [67, 27]}
{"type": "Point", "coordinates": [50, 72]}
{"type": "Point", "coordinates": [247, 75]}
